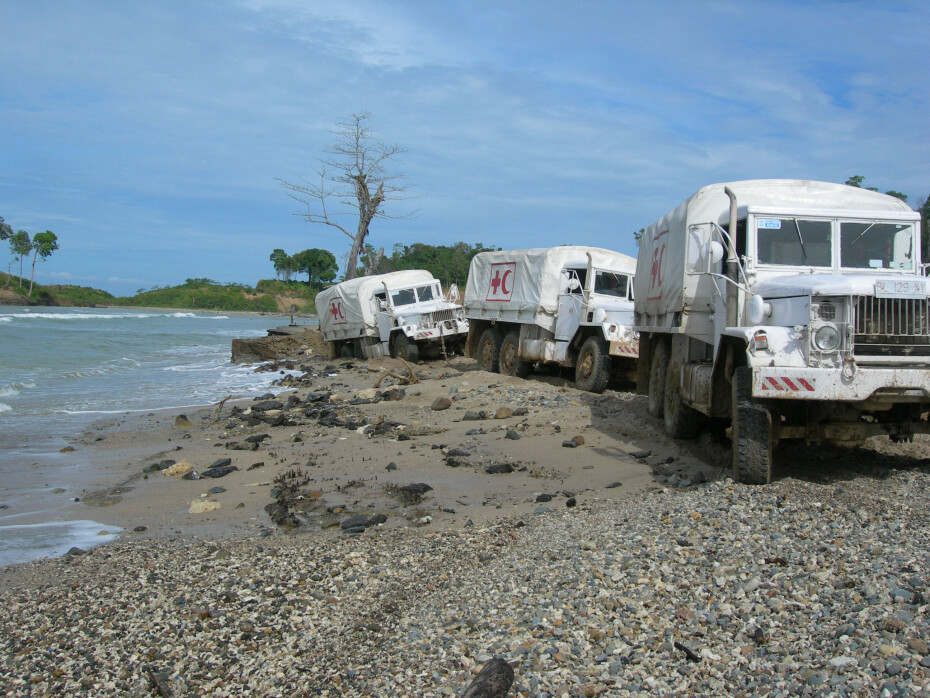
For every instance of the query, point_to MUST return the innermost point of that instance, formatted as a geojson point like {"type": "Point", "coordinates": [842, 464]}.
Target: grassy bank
{"type": "Point", "coordinates": [268, 296]}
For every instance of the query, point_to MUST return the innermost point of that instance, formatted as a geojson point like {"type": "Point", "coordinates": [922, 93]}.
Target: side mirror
{"type": "Point", "coordinates": [713, 251]}
{"type": "Point", "coordinates": [574, 284]}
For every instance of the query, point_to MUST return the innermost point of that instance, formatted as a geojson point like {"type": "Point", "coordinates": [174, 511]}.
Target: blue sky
{"type": "Point", "coordinates": [149, 135]}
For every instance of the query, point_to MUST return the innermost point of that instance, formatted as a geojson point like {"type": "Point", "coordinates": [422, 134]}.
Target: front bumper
{"type": "Point", "coordinates": [850, 384]}
{"type": "Point", "coordinates": [624, 349]}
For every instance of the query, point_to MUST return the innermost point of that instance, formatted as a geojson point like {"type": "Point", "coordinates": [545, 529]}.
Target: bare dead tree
{"type": "Point", "coordinates": [353, 174]}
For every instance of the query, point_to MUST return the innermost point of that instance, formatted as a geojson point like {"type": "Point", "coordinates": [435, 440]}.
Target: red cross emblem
{"type": "Point", "coordinates": [501, 282]}
{"type": "Point", "coordinates": [335, 309]}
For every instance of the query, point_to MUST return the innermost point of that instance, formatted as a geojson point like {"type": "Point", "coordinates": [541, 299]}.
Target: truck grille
{"type": "Point", "coordinates": [892, 327]}
{"type": "Point", "coordinates": [439, 316]}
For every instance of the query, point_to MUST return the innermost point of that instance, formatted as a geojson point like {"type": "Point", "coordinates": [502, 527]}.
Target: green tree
{"type": "Point", "coordinates": [448, 263]}
{"type": "Point", "coordinates": [6, 232]}
{"type": "Point", "coordinates": [857, 180]}
{"type": "Point", "coordinates": [355, 176]}
{"type": "Point", "coordinates": [319, 265]}
{"type": "Point", "coordinates": [20, 246]}
{"type": "Point", "coordinates": [279, 259]}
{"type": "Point", "coordinates": [43, 244]}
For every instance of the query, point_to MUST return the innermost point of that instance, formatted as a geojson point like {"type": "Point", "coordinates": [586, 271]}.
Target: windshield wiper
{"type": "Point", "coordinates": [800, 239]}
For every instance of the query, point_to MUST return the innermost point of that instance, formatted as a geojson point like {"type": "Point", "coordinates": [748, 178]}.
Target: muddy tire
{"type": "Point", "coordinates": [752, 433]}
{"type": "Point", "coordinates": [658, 370]}
{"type": "Point", "coordinates": [681, 421]}
{"type": "Point", "coordinates": [510, 362]}
{"type": "Point", "coordinates": [405, 349]}
{"type": "Point", "coordinates": [592, 370]}
{"type": "Point", "coordinates": [345, 350]}
{"type": "Point", "coordinates": [489, 350]}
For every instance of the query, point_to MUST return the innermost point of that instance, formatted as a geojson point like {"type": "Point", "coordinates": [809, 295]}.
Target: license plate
{"type": "Point", "coordinates": [901, 288]}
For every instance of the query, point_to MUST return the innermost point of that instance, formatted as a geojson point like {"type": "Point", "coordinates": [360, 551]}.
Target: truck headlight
{"type": "Point", "coordinates": [826, 338]}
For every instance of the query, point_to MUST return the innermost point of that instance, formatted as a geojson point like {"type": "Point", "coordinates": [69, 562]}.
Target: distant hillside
{"type": "Point", "coordinates": [11, 293]}
{"type": "Point", "coordinates": [193, 294]}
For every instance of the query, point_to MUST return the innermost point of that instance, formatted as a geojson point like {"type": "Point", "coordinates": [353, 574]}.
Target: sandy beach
{"type": "Point", "coordinates": [419, 530]}
{"type": "Point", "coordinates": [489, 420]}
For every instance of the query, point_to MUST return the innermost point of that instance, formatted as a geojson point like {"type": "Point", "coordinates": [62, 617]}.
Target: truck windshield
{"type": "Point", "coordinates": [425, 293]}
{"type": "Point", "coordinates": [794, 241]}
{"type": "Point", "coordinates": [873, 245]}
{"type": "Point", "coordinates": [404, 296]}
{"type": "Point", "coordinates": [608, 283]}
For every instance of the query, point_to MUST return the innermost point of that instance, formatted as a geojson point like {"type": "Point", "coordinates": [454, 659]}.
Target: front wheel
{"type": "Point", "coordinates": [510, 362]}
{"type": "Point", "coordinates": [405, 349]}
{"type": "Point", "coordinates": [655, 403]}
{"type": "Point", "coordinates": [592, 370]}
{"type": "Point", "coordinates": [752, 433]}
{"type": "Point", "coordinates": [489, 350]}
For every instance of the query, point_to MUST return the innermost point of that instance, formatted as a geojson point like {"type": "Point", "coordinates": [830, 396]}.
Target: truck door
{"type": "Point", "coordinates": [571, 304]}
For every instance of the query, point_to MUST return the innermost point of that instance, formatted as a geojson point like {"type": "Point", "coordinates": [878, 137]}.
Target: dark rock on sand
{"type": "Point", "coordinates": [219, 472]}
{"type": "Point", "coordinates": [499, 469]}
{"type": "Point", "coordinates": [281, 515]}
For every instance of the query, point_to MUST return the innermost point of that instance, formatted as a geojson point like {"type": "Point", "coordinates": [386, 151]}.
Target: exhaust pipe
{"type": "Point", "coordinates": [732, 267]}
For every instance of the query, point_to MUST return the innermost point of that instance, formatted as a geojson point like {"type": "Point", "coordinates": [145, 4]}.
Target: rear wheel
{"type": "Point", "coordinates": [592, 370]}
{"type": "Point", "coordinates": [510, 362]}
{"type": "Point", "coordinates": [752, 433]}
{"type": "Point", "coordinates": [405, 349]}
{"type": "Point", "coordinates": [489, 350]}
{"type": "Point", "coordinates": [681, 421]}
{"type": "Point", "coordinates": [658, 368]}
{"type": "Point", "coordinates": [345, 350]}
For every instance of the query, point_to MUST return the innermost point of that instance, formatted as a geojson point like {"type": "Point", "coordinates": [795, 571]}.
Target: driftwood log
{"type": "Point", "coordinates": [493, 681]}
{"type": "Point", "coordinates": [409, 379]}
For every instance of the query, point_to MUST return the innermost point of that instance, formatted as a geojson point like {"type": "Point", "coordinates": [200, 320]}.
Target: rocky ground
{"type": "Point", "coordinates": [395, 538]}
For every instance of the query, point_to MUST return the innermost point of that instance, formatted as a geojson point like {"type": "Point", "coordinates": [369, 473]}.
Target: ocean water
{"type": "Point", "coordinates": [62, 369]}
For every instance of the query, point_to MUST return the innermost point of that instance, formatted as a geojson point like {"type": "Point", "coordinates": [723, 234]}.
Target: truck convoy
{"type": "Point", "coordinates": [569, 306]}
{"type": "Point", "coordinates": [402, 313]}
{"type": "Point", "coordinates": [794, 309]}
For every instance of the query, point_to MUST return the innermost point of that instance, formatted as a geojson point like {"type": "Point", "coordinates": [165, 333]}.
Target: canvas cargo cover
{"type": "Point", "coordinates": [530, 280]}
{"type": "Point", "coordinates": [347, 306]}
{"type": "Point", "coordinates": [661, 285]}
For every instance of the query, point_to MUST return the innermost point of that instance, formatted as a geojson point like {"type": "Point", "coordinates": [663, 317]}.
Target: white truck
{"type": "Point", "coordinates": [571, 306]}
{"type": "Point", "coordinates": [795, 309]}
{"type": "Point", "coordinates": [402, 313]}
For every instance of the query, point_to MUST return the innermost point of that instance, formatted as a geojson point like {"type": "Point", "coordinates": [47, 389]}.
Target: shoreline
{"type": "Point", "coordinates": [115, 449]}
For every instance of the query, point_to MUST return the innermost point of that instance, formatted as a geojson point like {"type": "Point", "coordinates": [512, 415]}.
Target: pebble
{"type": "Point", "coordinates": [782, 590]}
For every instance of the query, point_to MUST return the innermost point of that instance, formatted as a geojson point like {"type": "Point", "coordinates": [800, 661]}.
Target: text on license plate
{"type": "Point", "coordinates": [901, 288]}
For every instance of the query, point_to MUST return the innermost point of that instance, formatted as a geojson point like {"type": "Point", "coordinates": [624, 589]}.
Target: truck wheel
{"type": "Point", "coordinates": [358, 349]}
{"type": "Point", "coordinates": [655, 403]}
{"type": "Point", "coordinates": [592, 370]}
{"type": "Point", "coordinates": [752, 433]}
{"type": "Point", "coordinates": [405, 349]}
{"type": "Point", "coordinates": [489, 350]}
{"type": "Point", "coordinates": [345, 350]}
{"type": "Point", "coordinates": [681, 421]}
{"type": "Point", "coordinates": [510, 362]}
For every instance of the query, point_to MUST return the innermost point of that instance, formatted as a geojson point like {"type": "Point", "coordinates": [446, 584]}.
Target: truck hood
{"type": "Point", "coordinates": [825, 284]}
{"type": "Point", "coordinates": [427, 307]}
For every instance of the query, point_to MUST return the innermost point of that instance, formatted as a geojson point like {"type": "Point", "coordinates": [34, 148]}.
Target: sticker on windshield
{"type": "Point", "coordinates": [772, 223]}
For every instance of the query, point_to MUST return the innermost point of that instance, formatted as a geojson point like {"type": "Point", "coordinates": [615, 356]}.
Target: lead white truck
{"type": "Point", "coordinates": [570, 306]}
{"type": "Point", "coordinates": [795, 309]}
{"type": "Point", "coordinates": [402, 314]}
